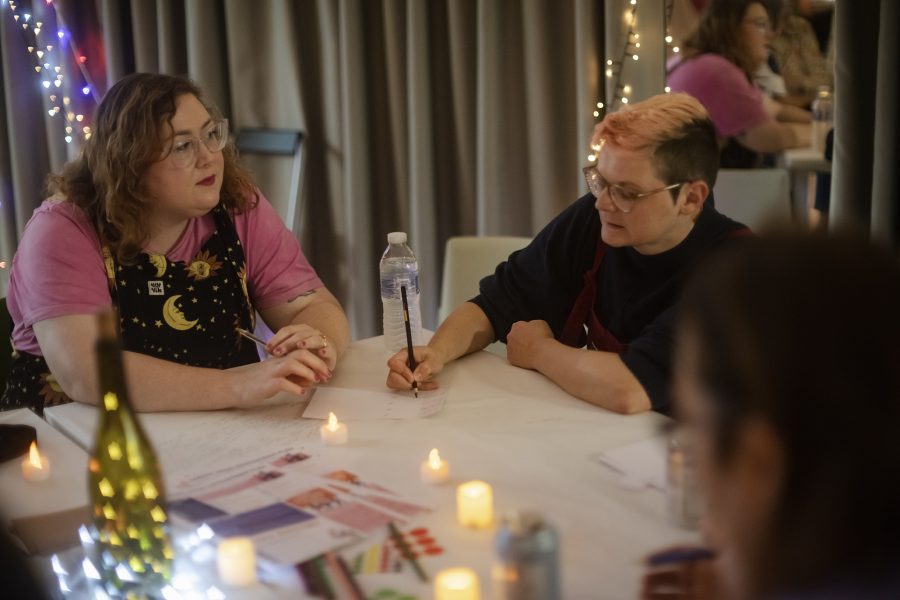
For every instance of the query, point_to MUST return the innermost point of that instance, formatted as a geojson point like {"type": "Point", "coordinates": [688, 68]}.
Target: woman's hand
{"type": "Point", "coordinates": [294, 372]}
{"type": "Point", "coordinates": [293, 337]}
{"type": "Point", "coordinates": [429, 364]}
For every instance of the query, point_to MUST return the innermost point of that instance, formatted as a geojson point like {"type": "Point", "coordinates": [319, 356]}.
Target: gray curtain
{"type": "Point", "coordinates": [437, 117]}
{"type": "Point", "coordinates": [866, 181]}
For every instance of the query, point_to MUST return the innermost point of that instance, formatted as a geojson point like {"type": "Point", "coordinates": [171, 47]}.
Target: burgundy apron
{"type": "Point", "coordinates": [583, 313]}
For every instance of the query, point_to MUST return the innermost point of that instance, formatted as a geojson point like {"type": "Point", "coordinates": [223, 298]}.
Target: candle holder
{"type": "Point", "coordinates": [36, 466]}
{"type": "Point", "coordinates": [459, 583]}
{"type": "Point", "coordinates": [333, 433]}
{"type": "Point", "coordinates": [475, 505]}
{"type": "Point", "coordinates": [433, 470]}
{"type": "Point", "coordinates": [236, 561]}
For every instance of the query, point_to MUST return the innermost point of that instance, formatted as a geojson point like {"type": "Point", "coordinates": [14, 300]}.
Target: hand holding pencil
{"type": "Point", "coordinates": [428, 363]}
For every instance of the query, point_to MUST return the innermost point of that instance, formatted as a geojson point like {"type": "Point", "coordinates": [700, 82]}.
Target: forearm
{"type": "Point", "coordinates": [793, 114]}
{"type": "Point", "coordinates": [466, 330]}
{"type": "Point", "coordinates": [773, 136]}
{"type": "Point", "coordinates": [157, 385]}
{"type": "Point", "coordinates": [600, 378]}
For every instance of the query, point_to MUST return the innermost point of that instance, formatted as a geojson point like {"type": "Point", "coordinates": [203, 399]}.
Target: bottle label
{"type": "Point", "coordinates": [390, 286]}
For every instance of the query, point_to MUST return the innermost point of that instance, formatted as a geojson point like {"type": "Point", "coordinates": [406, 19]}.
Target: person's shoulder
{"type": "Point", "coordinates": [58, 216]}
{"type": "Point", "coordinates": [718, 228]}
{"type": "Point", "coordinates": [710, 66]}
{"type": "Point", "coordinates": [256, 207]}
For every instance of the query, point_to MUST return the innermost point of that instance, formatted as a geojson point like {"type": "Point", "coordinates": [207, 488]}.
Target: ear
{"type": "Point", "coordinates": [695, 194]}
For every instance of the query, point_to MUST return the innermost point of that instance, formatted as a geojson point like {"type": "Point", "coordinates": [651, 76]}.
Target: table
{"type": "Point", "coordinates": [511, 427]}
{"type": "Point", "coordinates": [65, 489]}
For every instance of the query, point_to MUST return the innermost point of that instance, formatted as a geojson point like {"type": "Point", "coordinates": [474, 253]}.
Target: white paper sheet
{"type": "Point", "coordinates": [642, 464]}
{"type": "Point", "coordinates": [365, 405]}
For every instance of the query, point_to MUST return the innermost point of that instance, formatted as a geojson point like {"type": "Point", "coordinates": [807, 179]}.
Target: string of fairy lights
{"type": "Point", "coordinates": [47, 39]}
{"type": "Point", "coordinates": [615, 69]}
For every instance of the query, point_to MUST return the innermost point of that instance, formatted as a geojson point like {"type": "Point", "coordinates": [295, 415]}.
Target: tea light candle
{"type": "Point", "coordinates": [333, 433]}
{"type": "Point", "coordinates": [475, 505]}
{"type": "Point", "coordinates": [36, 467]}
{"type": "Point", "coordinates": [236, 561]}
{"type": "Point", "coordinates": [434, 470]}
{"type": "Point", "coordinates": [458, 583]}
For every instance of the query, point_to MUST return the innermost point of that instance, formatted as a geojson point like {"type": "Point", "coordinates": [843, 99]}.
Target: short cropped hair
{"type": "Point", "coordinates": [678, 130]}
{"type": "Point", "coordinates": [128, 136]}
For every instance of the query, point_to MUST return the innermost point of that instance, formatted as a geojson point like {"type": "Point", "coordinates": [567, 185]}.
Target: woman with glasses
{"type": "Point", "coordinates": [717, 66]}
{"type": "Point", "coordinates": [158, 219]}
{"type": "Point", "coordinates": [606, 273]}
{"type": "Point", "coordinates": [788, 388]}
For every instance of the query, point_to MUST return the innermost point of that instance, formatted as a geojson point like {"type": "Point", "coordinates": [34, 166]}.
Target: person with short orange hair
{"type": "Point", "coordinates": [606, 273]}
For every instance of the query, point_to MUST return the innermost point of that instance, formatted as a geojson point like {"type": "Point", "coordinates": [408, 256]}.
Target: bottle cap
{"type": "Point", "coordinates": [397, 237]}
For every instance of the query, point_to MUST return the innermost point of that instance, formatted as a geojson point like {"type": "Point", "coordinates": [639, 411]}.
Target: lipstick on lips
{"type": "Point", "coordinates": [208, 181]}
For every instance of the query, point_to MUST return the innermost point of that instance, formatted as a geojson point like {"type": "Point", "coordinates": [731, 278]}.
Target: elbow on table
{"type": "Point", "coordinates": [77, 388]}
{"type": "Point", "coordinates": [630, 400]}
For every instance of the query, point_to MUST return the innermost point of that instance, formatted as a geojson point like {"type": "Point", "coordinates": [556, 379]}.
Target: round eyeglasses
{"type": "Point", "coordinates": [185, 148]}
{"type": "Point", "coordinates": [621, 198]}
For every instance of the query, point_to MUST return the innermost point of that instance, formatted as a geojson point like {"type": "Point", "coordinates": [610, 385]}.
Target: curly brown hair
{"type": "Point", "coordinates": [717, 33]}
{"type": "Point", "coordinates": [130, 134]}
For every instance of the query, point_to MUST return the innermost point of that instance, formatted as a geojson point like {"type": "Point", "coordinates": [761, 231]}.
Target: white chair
{"type": "Point", "coordinates": [754, 197]}
{"type": "Point", "coordinates": [279, 142]}
{"type": "Point", "coordinates": [467, 259]}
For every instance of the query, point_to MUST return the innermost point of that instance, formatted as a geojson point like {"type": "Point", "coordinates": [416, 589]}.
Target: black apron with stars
{"type": "Point", "coordinates": [185, 312]}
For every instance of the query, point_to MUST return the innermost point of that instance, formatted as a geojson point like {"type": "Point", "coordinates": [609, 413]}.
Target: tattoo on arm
{"type": "Point", "coordinates": [308, 293]}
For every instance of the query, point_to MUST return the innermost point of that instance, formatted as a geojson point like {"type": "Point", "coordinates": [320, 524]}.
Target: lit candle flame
{"type": "Point", "coordinates": [34, 457]}
{"type": "Point", "coordinates": [434, 459]}
{"type": "Point", "coordinates": [332, 422]}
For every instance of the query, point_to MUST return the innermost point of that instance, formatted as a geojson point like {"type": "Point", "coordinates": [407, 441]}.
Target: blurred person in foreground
{"type": "Point", "coordinates": [606, 273]}
{"type": "Point", "coordinates": [788, 388]}
{"type": "Point", "coordinates": [157, 218]}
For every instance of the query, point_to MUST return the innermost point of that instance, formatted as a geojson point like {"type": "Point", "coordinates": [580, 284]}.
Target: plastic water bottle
{"type": "Point", "coordinates": [822, 117]}
{"type": "Point", "coordinates": [399, 267]}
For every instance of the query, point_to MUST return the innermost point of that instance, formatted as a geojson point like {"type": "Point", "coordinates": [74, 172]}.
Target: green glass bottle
{"type": "Point", "coordinates": [132, 547]}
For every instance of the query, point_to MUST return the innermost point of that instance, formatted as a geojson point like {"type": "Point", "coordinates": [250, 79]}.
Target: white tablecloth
{"type": "Point", "coordinates": [510, 427]}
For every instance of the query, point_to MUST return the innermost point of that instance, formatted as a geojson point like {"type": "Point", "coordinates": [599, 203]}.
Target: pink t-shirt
{"type": "Point", "coordinates": [58, 268]}
{"type": "Point", "coordinates": [734, 104]}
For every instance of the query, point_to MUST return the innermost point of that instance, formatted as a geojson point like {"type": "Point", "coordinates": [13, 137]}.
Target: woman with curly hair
{"type": "Point", "coordinates": [157, 218]}
{"type": "Point", "coordinates": [717, 67]}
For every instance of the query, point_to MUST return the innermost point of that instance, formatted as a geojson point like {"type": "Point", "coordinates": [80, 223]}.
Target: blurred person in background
{"type": "Point", "coordinates": [796, 55]}
{"type": "Point", "coordinates": [787, 387]}
{"type": "Point", "coordinates": [717, 66]}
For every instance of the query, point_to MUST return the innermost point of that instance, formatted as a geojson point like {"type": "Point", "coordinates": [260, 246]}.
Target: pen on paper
{"type": "Point", "coordinates": [409, 343]}
{"type": "Point", "coordinates": [258, 341]}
